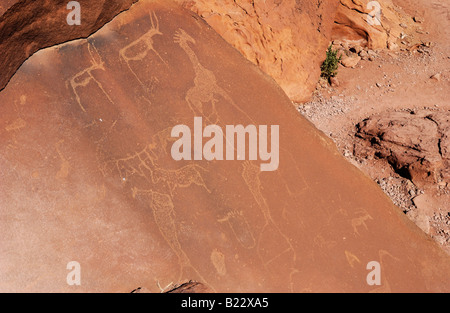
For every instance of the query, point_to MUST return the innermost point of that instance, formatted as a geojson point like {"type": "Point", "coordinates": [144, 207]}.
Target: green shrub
{"type": "Point", "coordinates": [330, 65]}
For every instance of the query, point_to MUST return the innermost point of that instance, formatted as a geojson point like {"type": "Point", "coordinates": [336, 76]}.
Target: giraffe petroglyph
{"type": "Point", "coordinates": [205, 87]}
{"type": "Point", "coordinates": [156, 186]}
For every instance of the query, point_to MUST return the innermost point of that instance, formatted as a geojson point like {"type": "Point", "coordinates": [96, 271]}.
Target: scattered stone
{"type": "Point", "coordinates": [372, 53]}
{"type": "Point", "coordinates": [440, 239]}
{"type": "Point", "coordinates": [363, 54]}
{"type": "Point", "coordinates": [436, 77]}
{"type": "Point", "coordinates": [392, 45]}
{"type": "Point", "coordinates": [350, 61]}
{"type": "Point", "coordinates": [323, 83]}
{"type": "Point", "coordinates": [334, 82]}
{"type": "Point", "coordinates": [321, 108]}
{"type": "Point", "coordinates": [418, 19]}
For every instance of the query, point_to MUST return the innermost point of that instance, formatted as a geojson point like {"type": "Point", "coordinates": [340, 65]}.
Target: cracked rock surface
{"type": "Point", "coordinates": [27, 26]}
{"type": "Point", "coordinates": [414, 142]}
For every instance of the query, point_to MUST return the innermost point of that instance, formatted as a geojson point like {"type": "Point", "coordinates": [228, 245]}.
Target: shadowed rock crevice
{"type": "Point", "coordinates": [31, 25]}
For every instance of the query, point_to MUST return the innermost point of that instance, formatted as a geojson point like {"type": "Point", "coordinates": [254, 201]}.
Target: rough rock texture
{"type": "Point", "coordinates": [350, 61]}
{"type": "Point", "coordinates": [351, 23]}
{"type": "Point", "coordinates": [5, 5]}
{"type": "Point", "coordinates": [415, 143]}
{"type": "Point", "coordinates": [286, 39]}
{"type": "Point", "coordinates": [30, 25]}
{"type": "Point", "coordinates": [87, 176]}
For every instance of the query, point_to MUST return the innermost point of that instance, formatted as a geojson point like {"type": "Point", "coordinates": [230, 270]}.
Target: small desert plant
{"type": "Point", "coordinates": [330, 65]}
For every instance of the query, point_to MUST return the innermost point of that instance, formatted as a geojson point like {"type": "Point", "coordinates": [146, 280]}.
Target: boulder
{"type": "Point", "coordinates": [334, 82]}
{"type": "Point", "coordinates": [415, 143]}
{"type": "Point", "coordinates": [436, 77]}
{"type": "Point", "coordinates": [350, 60]}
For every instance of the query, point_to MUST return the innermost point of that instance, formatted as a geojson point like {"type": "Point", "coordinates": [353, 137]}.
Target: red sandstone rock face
{"type": "Point", "coordinates": [286, 39]}
{"type": "Point", "coordinates": [5, 5]}
{"type": "Point", "coordinates": [23, 31]}
{"type": "Point", "coordinates": [87, 176]}
{"type": "Point", "coordinates": [351, 23]}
